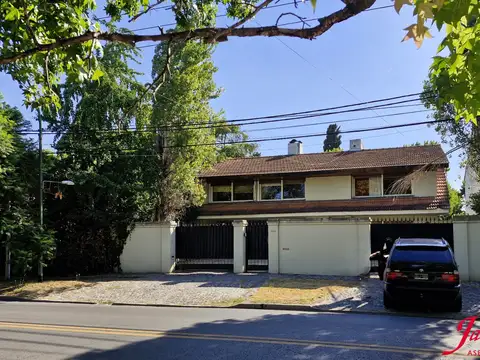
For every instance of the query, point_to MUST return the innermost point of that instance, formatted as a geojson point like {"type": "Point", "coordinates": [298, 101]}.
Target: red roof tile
{"type": "Point", "coordinates": [320, 162]}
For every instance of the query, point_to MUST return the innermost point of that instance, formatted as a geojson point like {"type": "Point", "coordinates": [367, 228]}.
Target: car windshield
{"type": "Point", "coordinates": [421, 254]}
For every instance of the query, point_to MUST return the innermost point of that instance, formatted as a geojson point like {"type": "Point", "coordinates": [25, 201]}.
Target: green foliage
{"type": "Point", "coordinates": [181, 110]}
{"type": "Point", "coordinates": [229, 133]}
{"type": "Point", "coordinates": [454, 73]}
{"type": "Point", "coordinates": [456, 201]}
{"type": "Point", "coordinates": [333, 139]}
{"type": "Point", "coordinates": [19, 207]}
{"type": "Point", "coordinates": [94, 218]}
{"type": "Point", "coordinates": [45, 40]}
{"type": "Point", "coordinates": [26, 26]}
{"type": "Point", "coordinates": [425, 143]}
{"type": "Point", "coordinates": [339, 149]}
{"type": "Point", "coordinates": [474, 202]}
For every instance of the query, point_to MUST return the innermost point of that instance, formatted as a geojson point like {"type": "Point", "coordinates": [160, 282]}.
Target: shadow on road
{"type": "Point", "coordinates": [381, 330]}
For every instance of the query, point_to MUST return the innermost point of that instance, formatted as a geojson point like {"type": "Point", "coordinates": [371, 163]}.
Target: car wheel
{"type": "Point", "coordinates": [387, 301]}
{"type": "Point", "coordinates": [457, 304]}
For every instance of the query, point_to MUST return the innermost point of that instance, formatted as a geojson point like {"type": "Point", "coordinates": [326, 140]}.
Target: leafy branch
{"type": "Point", "coordinates": [150, 7]}
{"type": "Point", "coordinates": [351, 9]}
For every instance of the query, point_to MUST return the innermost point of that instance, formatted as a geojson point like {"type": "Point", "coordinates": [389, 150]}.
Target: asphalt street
{"type": "Point", "coordinates": [85, 332]}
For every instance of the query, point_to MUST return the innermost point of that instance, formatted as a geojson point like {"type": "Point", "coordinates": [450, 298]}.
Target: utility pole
{"type": "Point", "coordinates": [40, 163]}
{"type": "Point", "coordinates": [7, 258]}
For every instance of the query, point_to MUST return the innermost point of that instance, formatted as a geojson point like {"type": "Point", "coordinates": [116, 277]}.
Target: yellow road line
{"type": "Point", "coordinates": [198, 336]}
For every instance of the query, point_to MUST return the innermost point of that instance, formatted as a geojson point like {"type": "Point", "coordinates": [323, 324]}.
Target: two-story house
{"type": "Point", "coordinates": [405, 182]}
{"type": "Point", "coordinates": [302, 213]}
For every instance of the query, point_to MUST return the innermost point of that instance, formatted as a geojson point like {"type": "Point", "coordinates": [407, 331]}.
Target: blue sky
{"type": "Point", "coordinates": [360, 59]}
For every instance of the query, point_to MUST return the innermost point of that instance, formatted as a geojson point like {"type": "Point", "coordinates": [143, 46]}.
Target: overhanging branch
{"type": "Point", "coordinates": [353, 8]}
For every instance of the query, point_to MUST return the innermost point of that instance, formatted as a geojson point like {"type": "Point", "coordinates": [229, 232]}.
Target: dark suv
{"type": "Point", "coordinates": [422, 270]}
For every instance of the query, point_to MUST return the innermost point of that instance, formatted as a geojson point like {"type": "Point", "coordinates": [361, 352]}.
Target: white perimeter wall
{"type": "Point", "coordinates": [320, 247]}
{"type": "Point", "coordinates": [149, 248]}
{"type": "Point", "coordinates": [466, 234]}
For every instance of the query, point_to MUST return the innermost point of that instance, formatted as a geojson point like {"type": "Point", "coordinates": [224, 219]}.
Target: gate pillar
{"type": "Point", "coordinates": [239, 246]}
{"type": "Point", "coordinates": [167, 238]}
{"type": "Point", "coordinates": [273, 247]}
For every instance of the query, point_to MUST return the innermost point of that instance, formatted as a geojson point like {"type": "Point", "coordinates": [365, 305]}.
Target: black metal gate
{"type": "Point", "coordinates": [204, 246]}
{"type": "Point", "coordinates": [257, 245]}
{"type": "Point", "coordinates": [379, 232]}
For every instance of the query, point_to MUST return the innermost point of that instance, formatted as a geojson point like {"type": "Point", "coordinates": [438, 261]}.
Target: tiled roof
{"type": "Point", "coordinates": [320, 162]}
{"type": "Point", "coordinates": [440, 201]}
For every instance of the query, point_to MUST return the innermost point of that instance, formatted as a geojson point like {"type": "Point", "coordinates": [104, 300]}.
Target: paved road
{"type": "Point", "coordinates": [85, 332]}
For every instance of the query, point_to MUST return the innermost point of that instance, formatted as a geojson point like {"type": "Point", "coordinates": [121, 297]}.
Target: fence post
{"type": "Point", "coordinates": [273, 246]}
{"type": "Point", "coordinates": [239, 246]}
{"type": "Point", "coordinates": [167, 238]}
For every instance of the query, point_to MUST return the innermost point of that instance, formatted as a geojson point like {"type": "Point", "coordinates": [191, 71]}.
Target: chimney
{"type": "Point", "coordinates": [356, 145]}
{"type": "Point", "coordinates": [295, 147]}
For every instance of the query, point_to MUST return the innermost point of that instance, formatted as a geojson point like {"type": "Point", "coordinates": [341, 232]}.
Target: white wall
{"type": "Point", "coordinates": [425, 184]}
{"type": "Point", "coordinates": [466, 234]}
{"type": "Point", "coordinates": [149, 248]}
{"type": "Point", "coordinates": [328, 188]}
{"type": "Point", "coordinates": [323, 248]}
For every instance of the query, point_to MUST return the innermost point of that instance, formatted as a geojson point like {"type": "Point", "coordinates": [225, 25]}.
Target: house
{"type": "Point", "coordinates": [370, 184]}
{"type": "Point", "coordinates": [301, 213]}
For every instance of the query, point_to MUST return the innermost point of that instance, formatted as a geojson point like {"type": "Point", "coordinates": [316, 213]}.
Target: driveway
{"type": "Point", "coordinates": [227, 289]}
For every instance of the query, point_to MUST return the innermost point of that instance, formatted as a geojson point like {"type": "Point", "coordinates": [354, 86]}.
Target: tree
{"type": "Point", "coordinates": [335, 150]}
{"type": "Point", "coordinates": [19, 226]}
{"type": "Point", "coordinates": [456, 202]}
{"type": "Point", "coordinates": [333, 139]}
{"type": "Point", "coordinates": [44, 40]}
{"type": "Point", "coordinates": [231, 142]}
{"type": "Point", "coordinates": [110, 164]}
{"type": "Point", "coordinates": [425, 143]}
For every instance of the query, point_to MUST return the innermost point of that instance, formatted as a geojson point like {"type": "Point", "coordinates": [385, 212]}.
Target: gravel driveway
{"type": "Point", "coordinates": [172, 289]}
{"type": "Point", "coordinates": [226, 289]}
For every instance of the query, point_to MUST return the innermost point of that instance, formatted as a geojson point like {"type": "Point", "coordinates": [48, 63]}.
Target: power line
{"type": "Point", "coordinates": [315, 67]}
{"type": "Point", "coordinates": [337, 121]}
{"type": "Point", "coordinates": [363, 138]}
{"type": "Point", "coordinates": [314, 124]}
{"type": "Point", "coordinates": [241, 122]}
{"type": "Point", "coordinates": [291, 136]}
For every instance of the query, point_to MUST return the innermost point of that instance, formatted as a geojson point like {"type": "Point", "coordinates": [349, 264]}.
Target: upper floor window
{"type": "Point", "coordinates": [282, 190]}
{"type": "Point", "coordinates": [362, 186]}
{"type": "Point", "coordinates": [396, 185]}
{"type": "Point", "coordinates": [243, 192]}
{"type": "Point", "coordinates": [271, 191]}
{"type": "Point", "coordinates": [257, 190]}
{"type": "Point", "coordinates": [222, 192]}
{"type": "Point", "coordinates": [293, 189]}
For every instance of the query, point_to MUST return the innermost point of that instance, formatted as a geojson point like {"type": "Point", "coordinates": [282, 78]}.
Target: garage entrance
{"type": "Point", "coordinates": [379, 232]}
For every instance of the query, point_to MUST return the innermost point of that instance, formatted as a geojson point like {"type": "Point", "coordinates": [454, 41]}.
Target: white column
{"type": "Point", "coordinates": [239, 246]}
{"type": "Point", "coordinates": [364, 246]}
{"type": "Point", "coordinates": [460, 244]}
{"type": "Point", "coordinates": [167, 238]}
{"type": "Point", "coordinates": [273, 246]}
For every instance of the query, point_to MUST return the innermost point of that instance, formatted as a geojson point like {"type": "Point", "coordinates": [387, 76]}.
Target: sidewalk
{"type": "Point", "coordinates": [262, 290]}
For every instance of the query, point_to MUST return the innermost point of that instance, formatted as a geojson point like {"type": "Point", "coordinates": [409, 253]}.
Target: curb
{"type": "Point", "coordinates": [277, 307]}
